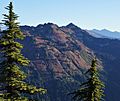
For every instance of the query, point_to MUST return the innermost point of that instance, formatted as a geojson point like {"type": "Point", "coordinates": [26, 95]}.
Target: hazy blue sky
{"type": "Point", "coordinates": [87, 14]}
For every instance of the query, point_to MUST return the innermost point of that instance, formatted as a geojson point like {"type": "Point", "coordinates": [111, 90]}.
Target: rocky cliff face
{"type": "Point", "coordinates": [58, 59]}
{"type": "Point", "coordinates": [53, 45]}
{"type": "Point", "coordinates": [59, 56]}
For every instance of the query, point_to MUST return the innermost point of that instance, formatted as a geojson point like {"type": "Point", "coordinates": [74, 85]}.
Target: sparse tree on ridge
{"type": "Point", "coordinates": [12, 77]}
{"type": "Point", "coordinates": [92, 89]}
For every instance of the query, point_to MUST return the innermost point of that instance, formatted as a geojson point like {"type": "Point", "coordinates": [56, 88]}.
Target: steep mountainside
{"type": "Point", "coordinates": [107, 51]}
{"type": "Point", "coordinates": [57, 58]}
{"type": "Point", "coordinates": [59, 55]}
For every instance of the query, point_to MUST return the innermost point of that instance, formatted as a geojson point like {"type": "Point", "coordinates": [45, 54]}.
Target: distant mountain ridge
{"type": "Point", "coordinates": [104, 33]}
{"type": "Point", "coordinates": [60, 55]}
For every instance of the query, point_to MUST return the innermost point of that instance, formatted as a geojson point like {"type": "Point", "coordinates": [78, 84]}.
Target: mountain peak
{"type": "Point", "coordinates": [71, 25]}
{"type": "Point", "coordinates": [105, 30]}
{"type": "Point", "coordinates": [48, 25]}
{"type": "Point", "coordinates": [51, 25]}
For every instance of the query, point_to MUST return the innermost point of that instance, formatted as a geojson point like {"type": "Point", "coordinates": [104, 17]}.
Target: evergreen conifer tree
{"type": "Point", "coordinates": [12, 77]}
{"type": "Point", "coordinates": [92, 89]}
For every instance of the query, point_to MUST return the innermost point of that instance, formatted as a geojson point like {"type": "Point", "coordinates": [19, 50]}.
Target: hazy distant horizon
{"type": "Point", "coordinates": [85, 14]}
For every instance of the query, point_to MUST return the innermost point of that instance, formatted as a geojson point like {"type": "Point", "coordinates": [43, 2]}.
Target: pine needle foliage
{"type": "Point", "coordinates": [93, 88]}
{"type": "Point", "coordinates": [12, 76]}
